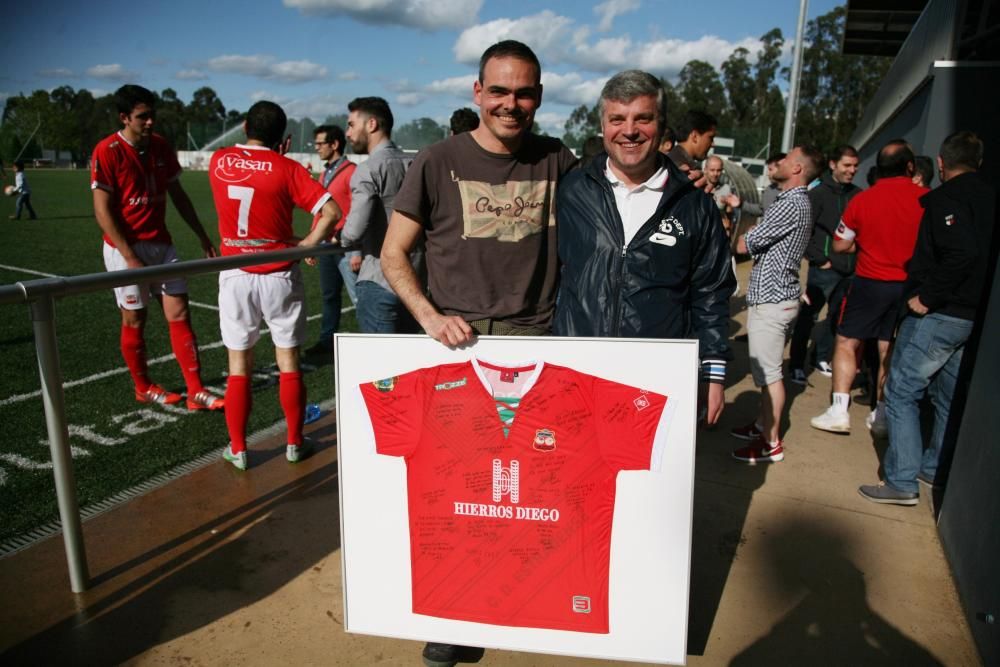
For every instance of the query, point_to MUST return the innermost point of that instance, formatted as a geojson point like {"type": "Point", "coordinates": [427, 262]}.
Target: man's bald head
{"type": "Point", "coordinates": [895, 159]}
{"type": "Point", "coordinates": [713, 169]}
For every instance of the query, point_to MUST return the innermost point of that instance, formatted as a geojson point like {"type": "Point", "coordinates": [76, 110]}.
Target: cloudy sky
{"type": "Point", "coordinates": [313, 56]}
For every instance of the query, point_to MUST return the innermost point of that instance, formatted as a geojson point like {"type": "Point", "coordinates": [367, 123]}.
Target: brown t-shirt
{"type": "Point", "coordinates": [490, 226]}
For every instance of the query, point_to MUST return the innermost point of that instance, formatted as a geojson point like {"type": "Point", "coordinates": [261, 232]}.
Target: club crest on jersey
{"type": "Point", "coordinates": [641, 402]}
{"type": "Point", "coordinates": [387, 384]}
{"type": "Point", "coordinates": [545, 440]}
{"type": "Point", "coordinates": [445, 386]}
{"type": "Point", "coordinates": [949, 220]}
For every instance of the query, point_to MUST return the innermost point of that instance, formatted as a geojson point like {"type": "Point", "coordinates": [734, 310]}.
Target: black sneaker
{"type": "Point", "coordinates": [886, 495]}
{"type": "Point", "coordinates": [440, 655]}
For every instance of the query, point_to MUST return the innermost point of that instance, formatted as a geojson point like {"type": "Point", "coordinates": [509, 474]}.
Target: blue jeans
{"type": "Point", "coordinates": [24, 201]}
{"type": "Point", "coordinates": [381, 311]}
{"type": "Point", "coordinates": [824, 286]}
{"type": "Point", "coordinates": [334, 274]}
{"type": "Point", "coordinates": [349, 276]}
{"type": "Point", "coordinates": [927, 356]}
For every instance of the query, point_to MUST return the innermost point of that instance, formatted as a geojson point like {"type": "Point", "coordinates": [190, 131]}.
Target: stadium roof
{"type": "Point", "coordinates": [879, 27]}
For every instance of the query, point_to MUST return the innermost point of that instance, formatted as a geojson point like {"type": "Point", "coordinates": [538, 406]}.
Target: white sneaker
{"type": "Point", "coordinates": [825, 368]}
{"type": "Point", "coordinates": [835, 422]}
{"type": "Point", "coordinates": [798, 376]}
{"type": "Point", "coordinates": [239, 460]}
{"type": "Point", "coordinates": [294, 453]}
{"type": "Point", "coordinates": [870, 419]}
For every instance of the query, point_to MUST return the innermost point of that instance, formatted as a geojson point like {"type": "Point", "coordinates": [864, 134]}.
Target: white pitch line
{"type": "Point", "coordinates": [34, 273]}
{"type": "Point", "coordinates": [18, 398]}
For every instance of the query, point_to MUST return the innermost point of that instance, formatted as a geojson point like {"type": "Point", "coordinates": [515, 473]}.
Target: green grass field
{"type": "Point", "coordinates": [117, 442]}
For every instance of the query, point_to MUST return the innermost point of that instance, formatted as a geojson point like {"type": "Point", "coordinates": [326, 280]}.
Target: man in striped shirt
{"type": "Point", "coordinates": [776, 245]}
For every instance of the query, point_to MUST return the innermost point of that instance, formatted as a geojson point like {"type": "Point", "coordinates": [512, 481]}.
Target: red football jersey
{"type": "Point", "coordinates": [511, 486]}
{"type": "Point", "coordinates": [884, 220]}
{"type": "Point", "coordinates": [255, 190]}
{"type": "Point", "coordinates": [138, 183]}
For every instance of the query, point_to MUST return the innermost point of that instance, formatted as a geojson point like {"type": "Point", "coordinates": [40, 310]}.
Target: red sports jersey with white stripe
{"type": "Point", "coordinates": [511, 475]}
{"type": "Point", "coordinates": [255, 190]}
{"type": "Point", "coordinates": [138, 184]}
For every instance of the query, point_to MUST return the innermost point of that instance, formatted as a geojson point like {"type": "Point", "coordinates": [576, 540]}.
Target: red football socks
{"type": "Point", "coordinates": [238, 402]}
{"type": "Point", "coordinates": [292, 393]}
{"type": "Point", "coordinates": [185, 348]}
{"type": "Point", "coordinates": [134, 352]}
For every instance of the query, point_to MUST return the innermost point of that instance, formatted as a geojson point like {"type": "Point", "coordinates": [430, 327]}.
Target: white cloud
{"type": "Point", "coordinates": [459, 86]}
{"type": "Point", "coordinates": [609, 9]}
{"type": "Point", "coordinates": [552, 122]}
{"type": "Point", "coordinates": [666, 57]}
{"type": "Point", "coordinates": [191, 75]}
{"type": "Point", "coordinates": [114, 72]}
{"type": "Point", "coordinates": [546, 32]}
{"type": "Point", "coordinates": [409, 99]}
{"type": "Point", "coordinates": [348, 76]}
{"type": "Point", "coordinates": [559, 40]}
{"type": "Point", "coordinates": [57, 73]}
{"type": "Point", "coordinates": [317, 108]}
{"type": "Point", "coordinates": [571, 89]}
{"type": "Point", "coordinates": [423, 14]}
{"type": "Point", "coordinates": [264, 67]}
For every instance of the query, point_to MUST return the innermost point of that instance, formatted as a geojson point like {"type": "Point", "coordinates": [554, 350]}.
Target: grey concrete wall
{"type": "Point", "coordinates": [961, 96]}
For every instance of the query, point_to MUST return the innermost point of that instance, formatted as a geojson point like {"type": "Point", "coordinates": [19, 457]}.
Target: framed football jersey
{"type": "Point", "coordinates": [530, 494]}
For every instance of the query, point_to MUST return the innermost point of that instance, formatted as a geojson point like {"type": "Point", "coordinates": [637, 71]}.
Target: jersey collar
{"type": "Point", "coordinates": [527, 385]}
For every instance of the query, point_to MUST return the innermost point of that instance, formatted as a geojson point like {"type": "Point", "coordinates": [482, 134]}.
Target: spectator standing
{"type": "Point", "coordinates": [776, 245]}
{"type": "Point", "coordinates": [132, 172]}
{"type": "Point", "coordinates": [484, 277]}
{"type": "Point", "coordinates": [255, 187]}
{"type": "Point", "coordinates": [923, 171]}
{"type": "Point", "coordinates": [643, 250]}
{"type": "Point", "coordinates": [335, 272]}
{"type": "Point", "coordinates": [463, 120]}
{"type": "Point", "coordinates": [829, 271]}
{"type": "Point", "coordinates": [695, 137]}
{"type": "Point", "coordinates": [880, 224]}
{"type": "Point", "coordinates": [945, 287]}
{"type": "Point", "coordinates": [373, 189]}
{"type": "Point", "coordinates": [23, 192]}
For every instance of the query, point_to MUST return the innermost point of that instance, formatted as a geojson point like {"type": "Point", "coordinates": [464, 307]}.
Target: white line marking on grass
{"type": "Point", "coordinates": [18, 398]}
{"type": "Point", "coordinates": [29, 271]}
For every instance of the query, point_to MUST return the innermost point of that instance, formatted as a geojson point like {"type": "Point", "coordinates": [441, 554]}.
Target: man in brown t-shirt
{"type": "Point", "coordinates": [483, 201]}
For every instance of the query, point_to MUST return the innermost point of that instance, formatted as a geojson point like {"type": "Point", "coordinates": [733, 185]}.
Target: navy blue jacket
{"type": "Point", "coordinates": [673, 280]}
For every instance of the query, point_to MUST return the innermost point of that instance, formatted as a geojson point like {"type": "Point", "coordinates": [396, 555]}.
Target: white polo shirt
{"type": "Point", "coordinates": [638, 205]}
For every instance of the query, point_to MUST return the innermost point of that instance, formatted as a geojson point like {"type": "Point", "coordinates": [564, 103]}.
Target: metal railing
{"type": "Point", "coordinates": [41, 295]}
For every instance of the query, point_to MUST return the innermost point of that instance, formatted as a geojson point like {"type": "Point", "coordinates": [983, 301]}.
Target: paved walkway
{"type": "Point", "coordinates": [790, 565]}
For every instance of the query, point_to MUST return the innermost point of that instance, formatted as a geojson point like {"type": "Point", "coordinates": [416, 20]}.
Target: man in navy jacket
{"type": "Point", "coordinates": [643, 251]}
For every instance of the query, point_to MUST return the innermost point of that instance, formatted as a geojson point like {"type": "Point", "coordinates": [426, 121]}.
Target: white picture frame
{"type": "Point", "coordinates": [651, 536]}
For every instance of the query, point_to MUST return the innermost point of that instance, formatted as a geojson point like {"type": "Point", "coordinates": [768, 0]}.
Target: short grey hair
{"type": "Point", "coordinates": [632, 83]}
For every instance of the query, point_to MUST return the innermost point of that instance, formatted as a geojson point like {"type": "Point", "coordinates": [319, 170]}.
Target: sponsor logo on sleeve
{"type": "Point", "coordinates": [445, 386]}
{"type": "Point", "coordinates": [581, 604]}
{"type": "Point", "coordinates": [387, 384]}
{"type": "Point", "coordinates": [641, 402]}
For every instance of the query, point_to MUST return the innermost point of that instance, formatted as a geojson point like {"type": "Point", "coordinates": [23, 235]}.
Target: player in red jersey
{"type": "Point", "coordinates": [132, 172]}
{"type": "Point", "coordinates": [255, 188]}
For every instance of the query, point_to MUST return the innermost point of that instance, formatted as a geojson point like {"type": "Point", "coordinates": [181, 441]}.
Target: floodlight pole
{"type": "Point", "coordinates": [792, 107]}
{"type": "Point", "coordinates": [43, 321]}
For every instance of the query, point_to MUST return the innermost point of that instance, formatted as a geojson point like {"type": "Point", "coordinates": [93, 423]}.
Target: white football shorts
{"type": "Point", "coordinates": [247, 298]}
{"type": "Point", "coordinates": [136, 297]}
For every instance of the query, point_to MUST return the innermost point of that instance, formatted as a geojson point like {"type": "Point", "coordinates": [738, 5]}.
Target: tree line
{"type": "Point", "coordinates": [743, 94]}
